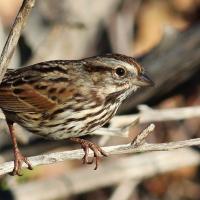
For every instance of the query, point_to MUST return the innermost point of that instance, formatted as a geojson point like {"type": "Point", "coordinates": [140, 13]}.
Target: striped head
{"type": "Point", "coordinates": [116, 75]}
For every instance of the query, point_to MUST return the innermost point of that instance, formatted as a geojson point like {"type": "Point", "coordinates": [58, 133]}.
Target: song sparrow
{"type": "Point", "coordinates": [68, 98]}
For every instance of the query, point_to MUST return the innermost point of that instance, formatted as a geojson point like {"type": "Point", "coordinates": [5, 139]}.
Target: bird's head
{"type": "Point", "coordinates": [116, 74]}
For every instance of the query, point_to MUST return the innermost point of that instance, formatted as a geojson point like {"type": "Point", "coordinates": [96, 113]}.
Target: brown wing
{"type": "Point", "coordinates": [25, 98]}
{"type": "Point", "coordinates": [43, 86]}
{"type": "Point", "coordinates": [34, 88]}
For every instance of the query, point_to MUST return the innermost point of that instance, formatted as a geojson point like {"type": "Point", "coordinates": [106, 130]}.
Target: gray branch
{"type": "Point", "coordinates": [147, 115]}
{"type": "Point", "coordinates": [111, 150]}
{"type": "Point", "coordinates": [14, 35]}
{"type": "Point", "coordinates": [130, 168]}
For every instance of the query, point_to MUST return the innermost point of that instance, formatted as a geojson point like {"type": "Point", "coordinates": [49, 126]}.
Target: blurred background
{"type": "Point", "coordinates": [165, 37]}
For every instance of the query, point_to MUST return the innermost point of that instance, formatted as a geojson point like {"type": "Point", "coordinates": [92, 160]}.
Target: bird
{"type": "Point", "coordinates": [67, 99]}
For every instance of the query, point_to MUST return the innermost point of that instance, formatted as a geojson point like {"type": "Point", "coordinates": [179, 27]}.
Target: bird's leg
{"type": "Point", "coordinates": [18, 157]}
{"type": "Point", "coordinates": [86, 145]}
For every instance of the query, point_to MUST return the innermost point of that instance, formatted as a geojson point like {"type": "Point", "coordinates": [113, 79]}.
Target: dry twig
{"type": "Point", "coordinates": [135, 168]}
{"type": "Point", "coordinates": [157, 115]}
{"type": "Point", "coordinates": [14, 35]}
{"type": "Point", "coordinates": [111, 150]}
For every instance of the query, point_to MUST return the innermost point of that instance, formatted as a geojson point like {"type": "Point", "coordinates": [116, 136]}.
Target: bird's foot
{"type": "Point", "coordinates": [86, 145]}
{"type": "Point", "coordinates": [19, 159]}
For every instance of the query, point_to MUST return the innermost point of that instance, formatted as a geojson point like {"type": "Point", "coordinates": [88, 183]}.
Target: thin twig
{"type": "Point", "coordinates": [111, 150]}
{"type": "Point", "coordinates": [81, 180]}
{"type": "Point", "coordinates": [140, 138]}
{"type": "Point", "coordinates": [119, 132]}
{"type": "Point", "coordinates": [14, 35]}
{"type": "Point", "coordinates": [157, 115]}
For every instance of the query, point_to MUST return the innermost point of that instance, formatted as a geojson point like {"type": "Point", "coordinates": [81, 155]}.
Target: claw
{"type": "Point", "coordinates": [86, 145]}
{"type": "Point", "coordinates": [19, 159]}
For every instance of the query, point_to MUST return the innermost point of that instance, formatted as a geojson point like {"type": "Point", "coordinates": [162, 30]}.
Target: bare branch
{"type": "Point", "coordinates": [14, 35]}
{"type": "Point", "coordinates": [135, 168]}
{"type": "Point", "coordinates": [140, 138]}
{"type": "Point", "coordinates": [157, 115]}
{"type": "Point", "coordinates": [119, 132]}
{"type": "Point", "coordinates": [111, 150]}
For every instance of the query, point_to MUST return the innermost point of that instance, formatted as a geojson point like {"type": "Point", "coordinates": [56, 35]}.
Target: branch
{"type": "Point", "coordinates": [81, 180]}
{"type": "Point", "coordinates": [156, 115]}
{"type": "Point", "coordinates": [111, 150]}
{"type": "Point", "coordinates": [14, 35]}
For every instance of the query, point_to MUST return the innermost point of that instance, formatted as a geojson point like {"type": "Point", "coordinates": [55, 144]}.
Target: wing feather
{"type": "Point", "coordinates": [43, 86]}
{"type": "Point", "coordinates": [28, 99]}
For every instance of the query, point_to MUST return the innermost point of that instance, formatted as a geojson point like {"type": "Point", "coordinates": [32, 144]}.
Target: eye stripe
{"type": "Point", "coordinates": [98, 68]}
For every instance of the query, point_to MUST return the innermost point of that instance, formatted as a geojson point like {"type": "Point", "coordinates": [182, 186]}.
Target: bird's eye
{"type": "Point", "coordinates": [120, 72]}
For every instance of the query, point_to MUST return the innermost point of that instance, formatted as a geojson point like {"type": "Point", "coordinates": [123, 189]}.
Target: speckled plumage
{"type": "Point", "coordinates": [62, 99]}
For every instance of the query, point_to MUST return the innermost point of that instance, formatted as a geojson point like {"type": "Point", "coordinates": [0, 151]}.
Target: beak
{"type": "Point", "coordinates": [144, 80]}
